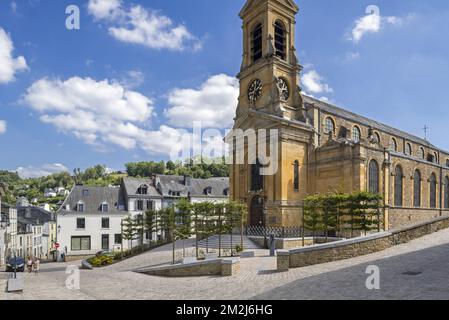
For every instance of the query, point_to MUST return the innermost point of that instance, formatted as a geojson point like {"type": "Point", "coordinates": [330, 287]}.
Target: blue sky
{"type": "Point", "coordinates": [394, 69]}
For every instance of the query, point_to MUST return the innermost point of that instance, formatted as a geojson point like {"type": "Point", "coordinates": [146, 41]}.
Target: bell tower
{"type": "Point", "coordinates": [269, 75]}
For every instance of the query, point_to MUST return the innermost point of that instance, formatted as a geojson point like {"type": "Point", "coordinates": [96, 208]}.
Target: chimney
{"type": "Point", "coordinates": [187, 181]}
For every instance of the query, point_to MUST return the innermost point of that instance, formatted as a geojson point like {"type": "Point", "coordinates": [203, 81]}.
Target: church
{"type": "Point", "coordinates": [322, 148]}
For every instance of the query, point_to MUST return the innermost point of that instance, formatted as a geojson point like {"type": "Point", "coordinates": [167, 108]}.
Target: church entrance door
{"type": "Point", "coordinates": [257, 216]}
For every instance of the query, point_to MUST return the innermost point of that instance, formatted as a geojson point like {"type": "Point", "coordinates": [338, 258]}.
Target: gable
{"type": "Point", "coordinates": [250, 4]}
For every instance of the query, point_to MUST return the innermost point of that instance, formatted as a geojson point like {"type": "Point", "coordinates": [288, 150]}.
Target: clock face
{"type": "Point", "coordinates": [283, 89]}
{"type": "Point", "coordinates": [255, 90]}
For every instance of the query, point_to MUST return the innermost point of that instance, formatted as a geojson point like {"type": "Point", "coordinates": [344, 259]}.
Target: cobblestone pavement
{"type": "Point", "coordinates": [417, 270]}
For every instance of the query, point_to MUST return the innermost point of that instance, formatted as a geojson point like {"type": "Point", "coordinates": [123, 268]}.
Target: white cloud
{"type": "Point", "coordinates": [94, 111]}
{"type": "Point", "coordinates": [314, 83]}
{"type": "Point", "coordinates": [13, 6]}
{"type": "Point", "coordinates": [104, 9]}
{"type": "Point", "coordinates": [132, 79]}
{"type": "Point", "coordinates": [42, 171]}
{"type": "Point", "coordinates": [371, 23]}
{"type": "Point", "coordinates": [213, 104]}
{"type": "Point", "coordinates": [2, 126]}
{"type": "Point", "coordinates": [351, 56]}
{"type": "Point", "coordinates": [8, 64]}
{"type": "Point", "coordinates": [142, 26]}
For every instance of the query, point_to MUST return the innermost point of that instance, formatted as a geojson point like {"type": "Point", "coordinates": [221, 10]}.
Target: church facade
{"type": "Point", "coordinates": [321, 147]}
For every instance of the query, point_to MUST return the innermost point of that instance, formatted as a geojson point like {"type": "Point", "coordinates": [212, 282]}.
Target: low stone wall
{"type": "Point", "coordinates": [350, 248]}
{"type": "Point", "coordinates": [290, 243]}
{"type": "Point", "coordinates": [222, 267]}
{"type": "Point", "coordinates": [70, 258]}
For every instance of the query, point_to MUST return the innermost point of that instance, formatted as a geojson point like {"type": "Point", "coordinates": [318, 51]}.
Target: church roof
{"type": "Point", "coordinates": [251, 3]}
{"type": "Point", "coordinates": [348, 115]}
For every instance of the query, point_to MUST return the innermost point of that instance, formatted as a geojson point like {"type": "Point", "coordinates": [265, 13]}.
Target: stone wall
{"type": "Point", "coordinates": [292, 242]}
{"type": "Point", "coordinates": [69, 258]}
{"type": "Point", "coordinates": [222, 267]}
{"type": "Point", "coordinates": [398, 218]}
{"type": "Point", "coordinates": [346, 249]}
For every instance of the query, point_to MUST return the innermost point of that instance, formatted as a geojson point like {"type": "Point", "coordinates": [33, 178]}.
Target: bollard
{"type": "Point", "coordinates": [272, 245]}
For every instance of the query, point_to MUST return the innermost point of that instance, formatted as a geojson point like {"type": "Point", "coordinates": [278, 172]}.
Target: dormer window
{"type": "Point", "coordinates": [85, 193]}
{"type": "Point", "coordinates": [226, 191]}
{"type": "Point", "coordinates": [208, 191]}
{"type": "Point", "coordinates": [104, 207]}
{"type": "Point", "coordinates": [142, 189]}
{"type": "Point", "coordinates": [80, 207]}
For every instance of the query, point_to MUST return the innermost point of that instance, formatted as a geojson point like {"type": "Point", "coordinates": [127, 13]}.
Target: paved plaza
{"type": "Point", "coordinates": [416, 270]}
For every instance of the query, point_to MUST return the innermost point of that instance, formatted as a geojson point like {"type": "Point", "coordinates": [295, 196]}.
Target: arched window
{"type": "Point", "coordinates": [256, 42]}
{"type": "Point", "coordinates": [433, 191]}
{"type": "Point", "coordinates": [373, 177]}
{"type": "Point", "coordinates": [330, 126]}
{"type": "Point", "coordinates": [417, 189]}
{"type": "Point", "coordinates": [393, 145]}
{"type": "Point", "coordinates": [446, 192]}
{"type": "Point", "coordinates": [296, 175]}
{"type": "Point", "coordinates": [447, 163]}
{"type": "Point", "coordinates": [256, 177]}
{"type": "Point", "coordinates": [280, 39]}
{"type": "Point", "coordinates": [435, 157]}
{"type": "Point", "coordinates": [356, 134]}
{"type": "Point", "coordinates": [377, 137]}
{"type": "Point", "coordinates": [398, 186]}
{"type": "Point", "coordinates": [408, 149]}
{"type": "Point", "coordinates": [421, 153]}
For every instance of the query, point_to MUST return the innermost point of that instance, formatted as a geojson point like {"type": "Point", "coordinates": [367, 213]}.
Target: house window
{"type": "Point", "coordinates": [140, 205]}
{"type": "Point", "coordinates": [280, 39]}
{"type": "Point", "coordinates": [446, 193]}
{"type": "Point", "coordinates": [80, 207]}
{"type": "Point", "coordinates": [417, 189]}
{"type": "Point", "coordinates": [81, 223]}
{"type": "Point", "coordinates": [356, 134]}
{"type": "Point", "coordinates": [408, 149]}
{"type": "Point", "coordinates": [104, 223]}
{"type": "Point", "coordinates": [296, 175]}
{"type": "Point", "coordinates": [80, 243]}
{"type": "Point", "coordinates": [398, 186]}
{"type": "Point", "coordinates": [330, 126]}
{"type": "Point", "coordinates": [117, 238]}
{"type": "Point", "coordinates": [393, 145]}
{"type": "Point", "coordinates": [104, 207]}
{"type": "Point", "coordinates": [433, 191]}
{"type": "Point", "coordinates": [256, 42]}
{"type": "Point", "coordinates": [256, 177]}
{"type": "Point", "coordinates": [105, 242]}
{"type": "Point", "coordinates": [373, 177]}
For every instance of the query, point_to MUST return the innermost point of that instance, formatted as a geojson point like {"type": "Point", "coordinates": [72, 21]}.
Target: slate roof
{"type": "Point", "coordinates": [195, 189]}
{"type": "Point", "coordinates": [348, 115]}
{"type": "Point", "coordinates": [131, 186]}
{"type": "Point", "coordinates": [93, 197]}
{"type": "Point", "coordinates": [38, 216]}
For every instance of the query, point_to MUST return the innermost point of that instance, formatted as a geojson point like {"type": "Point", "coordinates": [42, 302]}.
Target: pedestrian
{"type": "Point", "coordinates": [29, 264]}
{"type": "Point", "coordinates": [36, 266]}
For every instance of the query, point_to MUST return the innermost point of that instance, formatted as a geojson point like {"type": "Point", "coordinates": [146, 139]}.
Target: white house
{"type": "Point", "coordinates": [140, 196]}
{"type": "Point", "coordinates": [89, 221]}
{"type": "Point", "coordinates": [50, 193]}
{"type": "Point", "coordinates": [9, 231]}
{"type": "Point", "coordinates": [173, 188]}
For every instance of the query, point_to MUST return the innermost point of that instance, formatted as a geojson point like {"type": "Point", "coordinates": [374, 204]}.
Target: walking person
{"type": "Point", "coordinates": [36, 266]}
{"type": "Point", "coordinates": [29, 264]}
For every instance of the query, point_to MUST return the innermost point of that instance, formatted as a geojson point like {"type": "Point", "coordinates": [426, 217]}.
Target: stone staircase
{"type": "Point", "coordinates": [213, 242]}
